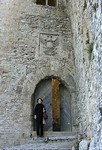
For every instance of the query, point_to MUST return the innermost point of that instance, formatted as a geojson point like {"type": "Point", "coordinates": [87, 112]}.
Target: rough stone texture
{"type": "Point", "coordinates": [44, 144]}
{"type": "Point", "coordinates": [36, 42]}
{"type": "Point", "coordinates": [87, 28]}
{"type": "Point", "coordinates": [49, 142]}
{"type": "Point", "coordinates": [84, 145]}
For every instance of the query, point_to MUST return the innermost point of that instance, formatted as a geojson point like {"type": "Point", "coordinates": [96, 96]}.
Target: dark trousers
{"type": "Point", "coordinates": [39, 127]}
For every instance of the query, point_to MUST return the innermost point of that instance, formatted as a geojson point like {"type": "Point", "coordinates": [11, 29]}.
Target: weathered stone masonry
{"type": "Point", "coordinates": [38, 41]}
{"type": "Point", "coordinates": [86, 26]}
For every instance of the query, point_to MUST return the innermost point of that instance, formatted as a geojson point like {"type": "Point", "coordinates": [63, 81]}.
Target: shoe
{"type": "Point", "coordinates": [42, 136]}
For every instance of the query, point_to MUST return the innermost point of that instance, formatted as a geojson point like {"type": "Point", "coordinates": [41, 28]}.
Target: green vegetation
{"type": "Point", "coordinates": [85, 5]}
{"type": "Point", "coordinates": [95, 6]}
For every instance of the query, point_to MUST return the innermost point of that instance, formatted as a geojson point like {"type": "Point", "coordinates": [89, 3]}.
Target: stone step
{"type": "Point", "coordinates": [69, 139]}
{"type": "Point", "coordinates": [52, 133]}
{"type": "Point", "coordinates": [53, 138]}
{"type": "Point", "coordinates": [46, 143]}
{"type": "Point", "coordinates": [50, 141]}
{"type": "Point", "coordinates": [40, 146]}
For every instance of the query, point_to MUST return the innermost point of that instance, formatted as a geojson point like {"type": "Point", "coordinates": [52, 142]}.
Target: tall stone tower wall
{"type": "Point", "coordinates": [86, 22]}
{"type": "Point", "coordinates": [39, 41]}
{"type": "Point", "coordinates": [35, 43]}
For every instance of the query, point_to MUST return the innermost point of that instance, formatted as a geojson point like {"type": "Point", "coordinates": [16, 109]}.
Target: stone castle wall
{"type": "Point", "coordinates": [36, 42]}
{"type": "Point", "coordinates": [87, 43]}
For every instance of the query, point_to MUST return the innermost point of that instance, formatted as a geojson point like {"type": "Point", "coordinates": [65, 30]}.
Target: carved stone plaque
{"type": "Point", "coordinates": [48, 44]}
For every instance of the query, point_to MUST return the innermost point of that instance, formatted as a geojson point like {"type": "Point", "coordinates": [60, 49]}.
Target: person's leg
{"type": "Point", "coordinates": [42, 130]}
{"type": "Point", "coordinates": [37, 127]}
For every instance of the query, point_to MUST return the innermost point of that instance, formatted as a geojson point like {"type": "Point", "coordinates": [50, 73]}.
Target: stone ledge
{"type": "Point", "coordinates": [52, 133]}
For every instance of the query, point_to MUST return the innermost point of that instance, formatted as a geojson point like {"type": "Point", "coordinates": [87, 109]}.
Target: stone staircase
{"type": "Point", "coordinates": [50, 141]}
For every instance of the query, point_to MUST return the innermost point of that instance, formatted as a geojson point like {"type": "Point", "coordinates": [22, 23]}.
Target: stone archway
{"type": "Point", "coordinates": [44, 90]}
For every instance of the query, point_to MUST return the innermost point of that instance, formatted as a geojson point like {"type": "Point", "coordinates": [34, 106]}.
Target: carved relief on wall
{"type": "Point", "coordinates": [48, 44]}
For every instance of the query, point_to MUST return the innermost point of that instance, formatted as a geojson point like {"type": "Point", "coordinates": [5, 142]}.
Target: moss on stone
{"type": "Point", "coordinates": [90, 50]}
{"type": "Point", "coordinates": [95, 6]}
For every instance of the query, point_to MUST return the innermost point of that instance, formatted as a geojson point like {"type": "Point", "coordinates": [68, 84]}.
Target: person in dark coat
{"type": "Point", "coordinates": [38, 115]}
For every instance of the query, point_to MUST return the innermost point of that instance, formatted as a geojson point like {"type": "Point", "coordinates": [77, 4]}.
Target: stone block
{"type": "Point", "coordinates": [83, 145]}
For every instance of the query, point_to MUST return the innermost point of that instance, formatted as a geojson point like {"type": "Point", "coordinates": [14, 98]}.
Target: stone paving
{"type": "Point", "coordinates": [46, 143]}
{"type": "Point", "coordinates": [42, 145]}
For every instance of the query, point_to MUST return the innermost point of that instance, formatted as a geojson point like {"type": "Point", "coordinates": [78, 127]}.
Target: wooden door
{"type": "Point", "coordinates": [56, 105]}
{"type": "Point", "coordinates": [65, 109]}
{"type": "Point", "coordinates": [57, 100]}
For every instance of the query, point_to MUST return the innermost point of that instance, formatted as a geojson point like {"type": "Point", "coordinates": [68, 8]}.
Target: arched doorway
{"type": "Point", "coordinates": [44, 90]}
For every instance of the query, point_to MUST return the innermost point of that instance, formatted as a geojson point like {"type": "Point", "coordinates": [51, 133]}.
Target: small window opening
{"type": "Point", "coordinates": [46, 2]}
{"type": "Point", "coordinates": [41, 2]}
{"type": "Point", "coordinates": [52, 2]}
